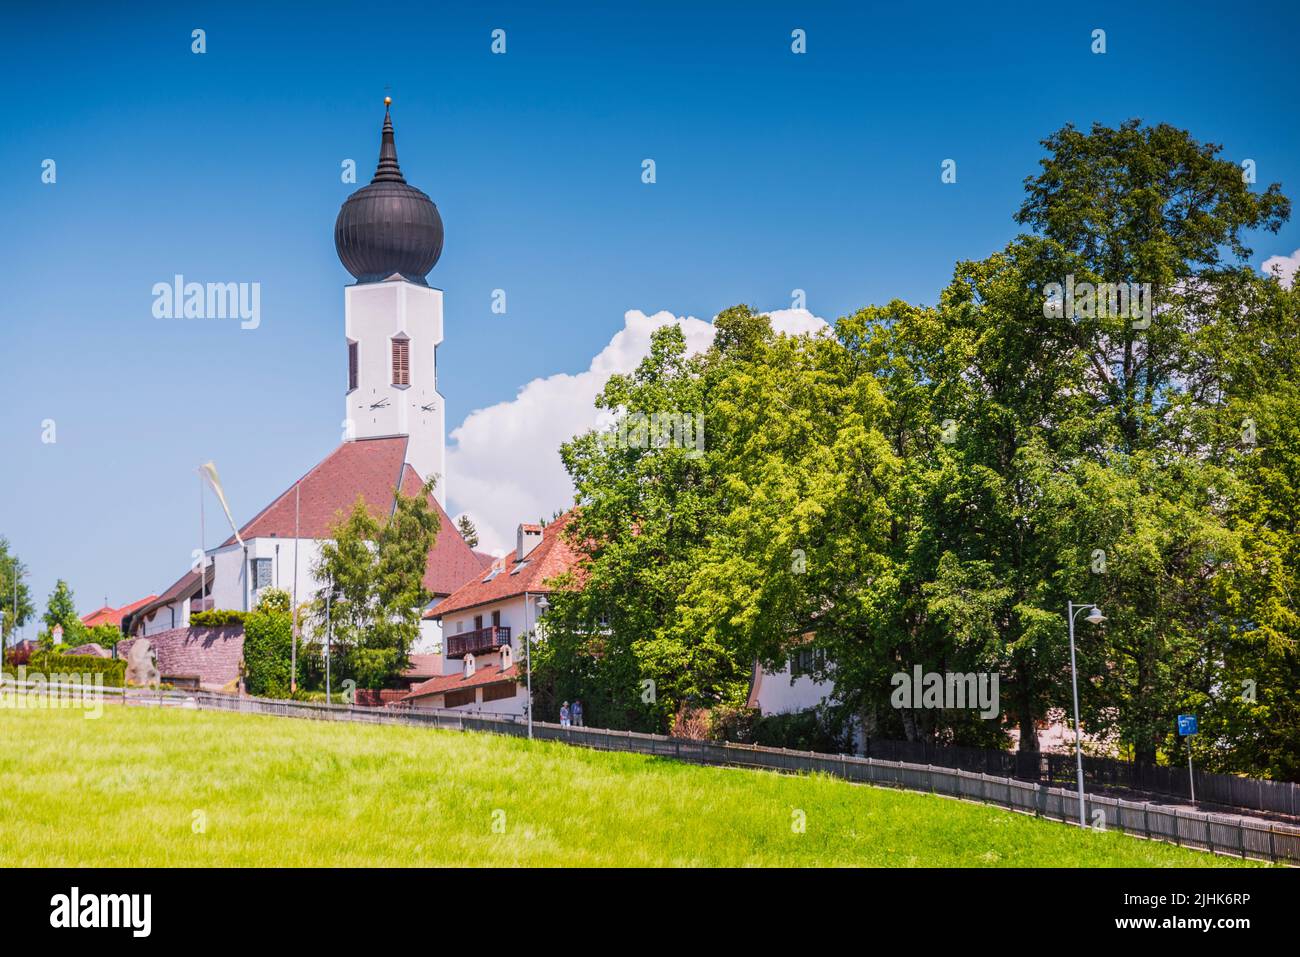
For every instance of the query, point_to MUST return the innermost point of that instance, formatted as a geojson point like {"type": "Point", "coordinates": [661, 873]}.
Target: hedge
{"type": "Point", "coordinates": [48, 663]}
{"type": "Point", "coordinates": [218, 618]}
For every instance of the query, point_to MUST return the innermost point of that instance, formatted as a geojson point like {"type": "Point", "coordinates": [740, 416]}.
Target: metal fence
{"type": "Point", "coordinates": [1218, 833]}
{"type": "Point", "coordinates": [1282, 797]}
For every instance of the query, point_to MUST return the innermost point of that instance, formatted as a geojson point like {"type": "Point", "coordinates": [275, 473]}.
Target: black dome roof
{"type": "Point", "coordinates": [388, 226]}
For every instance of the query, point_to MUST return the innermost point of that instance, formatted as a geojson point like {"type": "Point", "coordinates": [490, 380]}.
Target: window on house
{"type": "Point", "coordinates": [352, 365]}
{"type": "Point", "coordinates": [261, 572]}
{"type": "Point", "coordinates": [456, 699]}
{"type": "Point", "coordinates": [478, 622]}
{"type": "Point", "coordinates": [806, 660]}
{"type": "Point", "coordinates": [401, 361]}
{"type": "Point", "coordinates": [498, 691]}
{"type": "Point", "coordinates": [496, 619]}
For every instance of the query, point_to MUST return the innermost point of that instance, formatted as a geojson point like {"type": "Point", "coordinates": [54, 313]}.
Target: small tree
{"type": "Point", "coordinates": [61, 611]}
{"type": "Point", "coordinates": [467, 531]}
{"type": "Point", "coordinates": [11, 568]}
{"type": "Point", "coordinates": [268, 639]}
{"type": "Point", "coordinates": [374, 574]}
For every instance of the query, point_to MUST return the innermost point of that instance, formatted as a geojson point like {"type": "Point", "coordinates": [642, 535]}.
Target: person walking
{"type": "Point", "coordinates": [577, 713]}
{"type": "Point", "coordinates": [564, 715]}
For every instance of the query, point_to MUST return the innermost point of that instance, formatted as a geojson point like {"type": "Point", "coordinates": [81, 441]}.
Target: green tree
{"type": "Point", "coordinates": [467, 531]}
{"type": "Point", "coordinates": [16, 603]}
{"type": "Point", "coordinates": [61, 611]}
{"type": "Point", "coordinates": [374, 572]}
{"type": "Point", "coordinates": [268, 639]}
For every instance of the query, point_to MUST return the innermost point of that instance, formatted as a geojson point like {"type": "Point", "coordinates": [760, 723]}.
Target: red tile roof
{"type": "Point", "coordinates": [486, 674]}
{"type": "Point", "coordinates": [550, 557]}
{"type": "Point", "coordinates": [423, 666]}
{"type": "Point", "coordinates": [451, 562]}
{"type": "Point", "coordinates": [213, 655]}
{"type": "Point", "coordinates": [372, 469]}
{"type": "Point", "coordinates": [113, 616]}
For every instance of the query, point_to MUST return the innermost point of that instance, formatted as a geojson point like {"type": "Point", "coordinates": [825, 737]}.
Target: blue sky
{"type": "Point", "coordinates": [775, 171]}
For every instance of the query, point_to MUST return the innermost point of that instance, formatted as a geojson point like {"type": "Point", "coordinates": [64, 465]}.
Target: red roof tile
{"type": "Point", "coordinates": [451, 562]}
{"type": "Point", "coordinates": [486, 674]}
{"type": "Point", "coordinates": [372, 469]}
{"type": "Point", "coordinates": [550, 557]}
{"type": "Point", "coordinates": [113, 616]}
{"type": "Point", "coordinates": [424, 666]}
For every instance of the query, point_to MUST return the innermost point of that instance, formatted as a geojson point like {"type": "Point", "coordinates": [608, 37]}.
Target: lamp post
{"type": "Point", "coordinates": [1095, 617]}
{"type": "Point", "coordinates": [542, 605]}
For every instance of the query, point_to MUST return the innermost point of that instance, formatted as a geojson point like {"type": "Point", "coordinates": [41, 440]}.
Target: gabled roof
{"type": "Point", "coordinates": [184, 587]}
{"type": "Point", "coordinates": [372, 469]}
{"type": "Point", "coordinates": [485, 674]}
{"type": "Point", "coordinates": [109, 615]}
{"type": "Point", "coordinates": [423, 666]}
{"type": "Point", "coordinates": [550, 557]}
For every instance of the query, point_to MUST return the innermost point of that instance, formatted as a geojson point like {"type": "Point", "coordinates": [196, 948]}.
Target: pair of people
{"type": "Point", "coordinates": [571, 715]}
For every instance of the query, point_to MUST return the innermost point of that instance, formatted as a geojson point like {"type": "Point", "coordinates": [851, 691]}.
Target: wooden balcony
{"type": "Point", "coordinates": [476, 642]}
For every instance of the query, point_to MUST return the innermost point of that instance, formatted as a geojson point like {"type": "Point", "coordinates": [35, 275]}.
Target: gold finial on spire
{"type": "Point", "coordinates": [388, 101]}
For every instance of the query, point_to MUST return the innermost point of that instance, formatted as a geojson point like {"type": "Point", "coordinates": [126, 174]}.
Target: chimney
{"type": "Point", "coordinates": [505, 657]}
{"type": "Point", "coordinates": [469, 666]}
{"type": "Point", "coordinates": [529, 537]}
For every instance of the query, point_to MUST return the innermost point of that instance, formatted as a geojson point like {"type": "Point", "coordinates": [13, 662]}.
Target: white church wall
{"type": "Point", "coordinates": [229, 572]}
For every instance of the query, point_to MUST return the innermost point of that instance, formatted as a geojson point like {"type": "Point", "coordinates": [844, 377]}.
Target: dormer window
{"type": "Point", "coordinates": [401, 360]}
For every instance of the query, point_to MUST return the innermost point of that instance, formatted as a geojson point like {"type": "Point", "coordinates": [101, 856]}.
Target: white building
{"type": "Point", "coordinates": [485, 623]}
{"type": "Point", "coordinates": [790, 688]}
{"type": "Point", "coordinates": [389, 236]}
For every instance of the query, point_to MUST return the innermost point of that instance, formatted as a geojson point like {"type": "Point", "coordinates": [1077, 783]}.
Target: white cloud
{"type": "Point", "coordinates": [504, 463]}
{"type": "Point", "coordinates": [1284, 266]}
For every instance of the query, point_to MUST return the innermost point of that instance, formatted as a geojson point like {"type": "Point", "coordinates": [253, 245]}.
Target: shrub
{"type": "Point", "coordinates": [47, 663]}
{"type": "Point", "coordinates": [268, 644]}
{"type": "Point", "coordinates": [217, 618]}
{"type": "Point", "coordinates": [105, 635]}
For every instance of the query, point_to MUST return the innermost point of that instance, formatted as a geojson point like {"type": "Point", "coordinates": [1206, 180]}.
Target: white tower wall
{"type": "Point", "coordinates": [375, 314]}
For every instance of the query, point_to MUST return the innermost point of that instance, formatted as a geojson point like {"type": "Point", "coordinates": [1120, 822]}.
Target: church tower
{"type": "Point", "coordinates": [388, 235]}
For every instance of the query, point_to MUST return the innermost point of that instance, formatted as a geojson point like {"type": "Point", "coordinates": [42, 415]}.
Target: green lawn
{"type": "Point", "coordinates": [127, 789]}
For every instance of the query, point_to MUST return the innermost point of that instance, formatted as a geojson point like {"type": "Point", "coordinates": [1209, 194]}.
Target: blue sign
{"type": "Point", "coordinates": [1186, 724]}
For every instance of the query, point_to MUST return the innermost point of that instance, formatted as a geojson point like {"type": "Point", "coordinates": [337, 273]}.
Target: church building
{"type": "Point", "coordinates": [389, 236]}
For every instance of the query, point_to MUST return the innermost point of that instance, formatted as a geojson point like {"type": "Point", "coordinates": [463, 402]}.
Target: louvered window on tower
{"type": "Point", "coordinates": [401, 362]}
{"type": "Point", "coordinates": [352, 366]}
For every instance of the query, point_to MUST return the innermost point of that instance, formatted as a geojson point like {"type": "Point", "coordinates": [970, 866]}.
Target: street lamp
{"type": "Point", "coordinates": [1095, 617]}
{"type": "Point", "coordinates": [542, 605]}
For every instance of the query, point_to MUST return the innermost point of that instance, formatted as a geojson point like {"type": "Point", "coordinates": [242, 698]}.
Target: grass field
{"type": "Point", "coordinates": [132, 788]}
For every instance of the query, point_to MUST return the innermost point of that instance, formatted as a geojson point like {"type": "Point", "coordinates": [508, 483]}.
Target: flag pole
{"type": "Point", "coordinates": [293, 653]}
{"type": "Point", "coordinates": [203, 555]}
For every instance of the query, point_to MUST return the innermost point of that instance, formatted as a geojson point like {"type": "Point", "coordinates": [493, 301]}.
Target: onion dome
{"type": "Point", "coordinates": [388, 227]}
